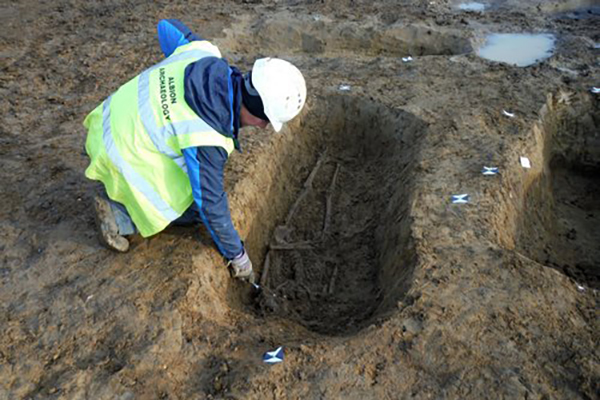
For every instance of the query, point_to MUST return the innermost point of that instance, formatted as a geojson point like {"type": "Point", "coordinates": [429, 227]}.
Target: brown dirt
{"type": "Point", "coordinates": [404, 295]}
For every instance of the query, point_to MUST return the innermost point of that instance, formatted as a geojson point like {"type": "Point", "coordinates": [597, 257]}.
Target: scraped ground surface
{"type": "Point", "coordinates": [377, 286]}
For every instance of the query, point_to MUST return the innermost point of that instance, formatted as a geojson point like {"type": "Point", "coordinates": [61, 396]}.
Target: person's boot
{"type": "Point", "coordinates": [107, 226]}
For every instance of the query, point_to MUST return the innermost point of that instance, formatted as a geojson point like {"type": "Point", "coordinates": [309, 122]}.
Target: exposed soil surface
{"type": "Point", "coordinates": [375, 284]}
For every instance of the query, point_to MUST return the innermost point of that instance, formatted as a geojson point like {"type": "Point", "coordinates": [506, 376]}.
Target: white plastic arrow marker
{"type": "Point", "coordinates": [489, 170]}
{"type": "Point", "coordinates": [273, 357]}
{"type": "Point", "coordinates": [525, 162]}
{"type": "Point", "coordinates": [460, 198]}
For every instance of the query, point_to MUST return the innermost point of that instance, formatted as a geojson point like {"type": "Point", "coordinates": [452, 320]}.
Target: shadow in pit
{"type": "Point", "coordinates": [333, 221]}
{"type": "Point", "coordinates": [560, 225]}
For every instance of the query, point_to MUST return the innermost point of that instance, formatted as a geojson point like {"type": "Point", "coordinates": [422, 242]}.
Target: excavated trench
{"type": "Point", "coordinates": [338, 252]}
{"type": "Point", "coordinates": [560, 224]}
{"type": "Point", "coordinates": [290, 34]}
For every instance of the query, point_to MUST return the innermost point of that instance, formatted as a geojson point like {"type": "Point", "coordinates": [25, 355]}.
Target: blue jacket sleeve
{"type": "Point", "coordinates": [205, 169]}
{"type": "Point", "coordinates": [172, 33]}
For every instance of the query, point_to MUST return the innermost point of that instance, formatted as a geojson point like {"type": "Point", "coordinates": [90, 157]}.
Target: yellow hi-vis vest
{"type": "Point", "coordinates": [135, 139]}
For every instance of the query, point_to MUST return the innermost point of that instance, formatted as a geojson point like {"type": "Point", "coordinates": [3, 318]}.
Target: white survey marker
{"type": "Point", "coordinates": [595, 90]}
{"type": "Point", "coordinates": [460, 198]}
{"type": "Point", "coordinates": [508, 114]}
{"type": "Point", "coordinates": [273, 357]}
{"type": "Point", "coordinates": [344, 87]}
{"type": "Point", "coordinates": [525, 162]}
{"type": "Point", "coordinates": [407, 59]}
{"type": "Point", "coordinates": [490, 170]}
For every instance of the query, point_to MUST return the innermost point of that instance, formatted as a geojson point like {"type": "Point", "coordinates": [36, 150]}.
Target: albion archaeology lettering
{"type": "Point", "coordinates": [167, 93]}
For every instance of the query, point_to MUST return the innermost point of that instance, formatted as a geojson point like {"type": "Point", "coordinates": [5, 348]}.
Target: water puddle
{"type": "Point", "coordinates": [479, 7]}
{"type": "Point", "coordinates": [517, 48]}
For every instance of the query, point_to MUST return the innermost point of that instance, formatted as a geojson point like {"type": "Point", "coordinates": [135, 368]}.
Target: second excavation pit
{"type": "Point", "coordinates": [559, 225]}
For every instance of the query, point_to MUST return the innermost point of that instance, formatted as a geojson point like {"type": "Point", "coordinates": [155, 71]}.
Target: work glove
{"type": "Point", "coordinates": [241, 267]}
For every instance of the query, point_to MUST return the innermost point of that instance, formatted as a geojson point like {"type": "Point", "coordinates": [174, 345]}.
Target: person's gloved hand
{"type": "Point", "coordinates": [241, 267]}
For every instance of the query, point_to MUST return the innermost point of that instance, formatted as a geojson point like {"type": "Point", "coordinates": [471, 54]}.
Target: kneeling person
{"type": "Point", "coordinates": [159, 144]}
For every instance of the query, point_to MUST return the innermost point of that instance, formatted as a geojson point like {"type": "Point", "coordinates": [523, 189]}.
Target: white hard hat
{"type": "Point", "coordinates": [281, 88]}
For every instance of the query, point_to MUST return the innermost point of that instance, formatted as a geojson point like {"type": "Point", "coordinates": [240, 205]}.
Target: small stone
{"type": "Point", "coordinates": [411, 326]}
{"type": "Point", "coordinates": [218, 385]}
{"type": "Point", "coordinates": [127, 396]}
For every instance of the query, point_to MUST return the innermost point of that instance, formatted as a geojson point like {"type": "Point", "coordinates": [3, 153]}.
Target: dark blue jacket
{"type": "Point", "coordinates": [213, 91]}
